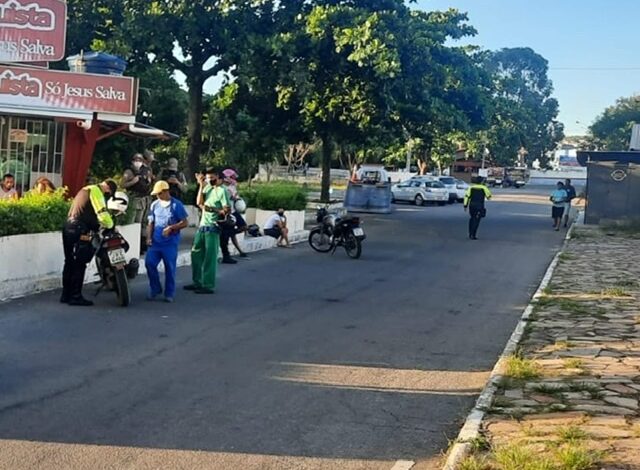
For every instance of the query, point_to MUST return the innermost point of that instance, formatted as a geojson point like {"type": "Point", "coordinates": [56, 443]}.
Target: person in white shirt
{"type": "Point", "coordinates": [276, 227]}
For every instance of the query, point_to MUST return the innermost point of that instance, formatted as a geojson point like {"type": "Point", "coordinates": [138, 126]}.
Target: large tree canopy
{"type": "Point", "coordinates": [612, 129]}
{"type": "Point", "coordinates": [525, 112]}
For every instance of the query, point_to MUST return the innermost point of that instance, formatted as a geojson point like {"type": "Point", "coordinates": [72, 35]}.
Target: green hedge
{"type": "Point", "coordinates": [272, 196]}
{"type": "Point", "coordinates": [33, 213]}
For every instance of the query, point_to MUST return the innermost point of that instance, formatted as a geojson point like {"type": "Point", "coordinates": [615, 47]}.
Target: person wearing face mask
{"type": "Point", "coordinates": [167, 217]}
{"type": "Point", "coordinates": [87, 215]}
{"type": "Point", "coordinates": [215, 203]}
{"type": "Point", "coordinates": [137, 182]}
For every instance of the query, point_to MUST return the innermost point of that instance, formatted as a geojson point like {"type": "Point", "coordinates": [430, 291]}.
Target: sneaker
{"type": "Point", "coordinates": [205, 291]}
{"type": "Point", "coordinates": [244, 255]}
{"type": "Point", "coordinates": [229, 261]}
{"type": "Point", "coordinates": [168, 300]}
{"type": "Point", "coordinates": [80, 302]}
{"type": "Point", "coordinates": [191, 287]}
{"type": "Point", "coordinates": [64, 299]}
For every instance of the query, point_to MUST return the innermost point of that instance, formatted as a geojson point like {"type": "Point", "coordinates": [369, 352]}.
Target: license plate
{"type": "Point", "coordinates": [358, 232]}
{"type": "Point", "coordinates": [117, 256]}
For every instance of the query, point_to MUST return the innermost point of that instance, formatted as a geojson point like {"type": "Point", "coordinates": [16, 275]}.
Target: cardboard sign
{"type": "Point", "coordinates": [46, 89]}
{"type": "Point", "coordinates": [32, 30]}
{"type": "Point", "coordinates": [19, 136]}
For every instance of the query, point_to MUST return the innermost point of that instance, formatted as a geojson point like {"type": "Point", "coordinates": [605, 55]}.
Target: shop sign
{"type": "Point", "coordinates": [32, 30]}
{"type": "Point", "coordinates": [47, 89]}
{"type": "Point", "coordinates": [19, 136]}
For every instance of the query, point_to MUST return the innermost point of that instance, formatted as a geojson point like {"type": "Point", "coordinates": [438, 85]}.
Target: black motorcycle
{"type": "Point", "coordinates": [113, 268]}
{"type": "Point", "coordinates": [334, 231]}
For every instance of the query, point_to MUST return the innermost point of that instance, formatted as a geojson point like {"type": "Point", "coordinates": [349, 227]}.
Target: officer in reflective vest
{"type": "Point", "coordinates": [88, 214]}
{"type": "Point", "coordinates": [474, 199]}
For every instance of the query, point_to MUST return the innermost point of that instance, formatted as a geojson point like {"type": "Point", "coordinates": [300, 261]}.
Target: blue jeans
{"type": "Point", "coordinates": [168, 254]}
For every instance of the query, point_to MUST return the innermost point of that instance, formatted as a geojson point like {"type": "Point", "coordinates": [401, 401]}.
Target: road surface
{"type": "Point", "coordinates": [301, 360]}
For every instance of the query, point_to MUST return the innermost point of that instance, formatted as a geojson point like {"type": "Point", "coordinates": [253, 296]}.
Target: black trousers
{"type": "Point", "coordinates": [77, 254]}
{"type": "Point", "coordinates": [225, 235]}
{"type": "Point", "coordinates": [474, 220]}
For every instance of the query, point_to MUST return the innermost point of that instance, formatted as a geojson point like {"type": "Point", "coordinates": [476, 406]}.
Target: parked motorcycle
{"type": "Point", "coordinates": [334, 231]}
{"type": "Point", "coordinates": [113, 268]}
{"type": "Point", "coordinates": [111, 248]}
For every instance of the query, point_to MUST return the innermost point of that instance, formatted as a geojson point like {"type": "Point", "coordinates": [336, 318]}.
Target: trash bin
{"type": "Point", "coordinates": [97, 62]}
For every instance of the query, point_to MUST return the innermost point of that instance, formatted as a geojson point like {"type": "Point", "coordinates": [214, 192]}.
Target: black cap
{"type": "Point", "coordinates": [113, 187]}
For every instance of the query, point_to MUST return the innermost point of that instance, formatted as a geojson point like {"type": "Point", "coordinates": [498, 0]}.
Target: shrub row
{"type": "Point", "coordinates": [34, 213]}
{"type": "Point", "coordinates": [273, 196]}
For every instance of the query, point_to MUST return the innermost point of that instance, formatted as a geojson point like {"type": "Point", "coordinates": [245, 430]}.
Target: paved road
{"type": "Point", "coordinates": [302, 360]}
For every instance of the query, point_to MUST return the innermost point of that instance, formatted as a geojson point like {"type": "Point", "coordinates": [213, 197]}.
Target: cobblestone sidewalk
{"type": "Point", "coordinates": [569, 398]}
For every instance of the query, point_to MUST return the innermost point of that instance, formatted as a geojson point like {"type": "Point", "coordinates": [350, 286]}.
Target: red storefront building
{"type": "Point", "coordinates": [50, 121]}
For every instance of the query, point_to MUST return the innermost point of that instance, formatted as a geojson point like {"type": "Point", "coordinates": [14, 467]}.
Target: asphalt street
{"type": "Point", "coordinates": [300, 360]}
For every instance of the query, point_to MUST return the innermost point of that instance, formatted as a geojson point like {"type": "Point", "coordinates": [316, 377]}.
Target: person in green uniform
{"type": "Point", "coordinates": [215, 203]}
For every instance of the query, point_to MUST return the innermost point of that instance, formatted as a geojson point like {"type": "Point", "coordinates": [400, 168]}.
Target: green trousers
{"type": "Point", "coordinates": [204, 259]}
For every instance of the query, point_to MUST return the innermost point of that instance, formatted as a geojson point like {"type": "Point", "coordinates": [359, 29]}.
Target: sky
{"type": "Point", "coordinates": [591, 45]}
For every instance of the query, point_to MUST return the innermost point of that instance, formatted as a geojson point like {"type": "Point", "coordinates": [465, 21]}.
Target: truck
{"type": "Point", "coordinates": [515, 177]}
{"type": "Point", "coordinates": [495, 176]}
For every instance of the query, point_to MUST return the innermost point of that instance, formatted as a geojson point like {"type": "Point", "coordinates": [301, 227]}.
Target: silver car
{"type": "Point", "coordinates": [419, 191]}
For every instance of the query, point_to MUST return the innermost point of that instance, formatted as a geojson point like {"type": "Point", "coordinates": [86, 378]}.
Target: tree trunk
{"type": "Point", "coordinates": [327, 151]}
{"type": "Point", "coordinates": [194, 130]}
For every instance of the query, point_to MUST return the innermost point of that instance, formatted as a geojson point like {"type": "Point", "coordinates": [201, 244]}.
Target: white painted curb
{"type": "Point", "coordinates": [471, 428]}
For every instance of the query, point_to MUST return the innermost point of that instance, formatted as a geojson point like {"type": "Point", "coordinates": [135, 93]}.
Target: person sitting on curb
{"type": "Point", "coordinates": [167, 217]}
{"type": "Point", "coordinates": [276, 227]}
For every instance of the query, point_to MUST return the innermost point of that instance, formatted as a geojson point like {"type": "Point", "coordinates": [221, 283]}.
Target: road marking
{"type": "Point", "coordinates": [403, 465]}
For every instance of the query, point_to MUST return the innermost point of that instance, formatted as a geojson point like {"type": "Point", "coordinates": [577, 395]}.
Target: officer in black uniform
{"type": "Point", "coordinates": [87, 215]}
{"type": "Point", "coordinates": [474, 200]}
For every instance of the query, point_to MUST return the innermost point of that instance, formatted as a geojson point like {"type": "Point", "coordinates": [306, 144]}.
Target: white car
{"type": "Point", "coordinates": [461, 189]}
{"type": "Point", "coordinates": [452, 185]}
{"type": "Point", "coordinates": [419, 191]}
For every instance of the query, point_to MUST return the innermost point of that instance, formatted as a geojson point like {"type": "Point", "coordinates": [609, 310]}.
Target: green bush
{"type": "Point", "coordinates": [34, 213]}
{"type": "Point", "coordinates": [272, 196]}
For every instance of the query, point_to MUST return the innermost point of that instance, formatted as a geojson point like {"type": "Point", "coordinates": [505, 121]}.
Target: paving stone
{"type": "Point", "coordinates": [544, 399]}
{"type": "Point", "coordinates": [630, 403]}
{"type": "Point", "coordinates": [606, 410]}
{"type": "Point", "coordinates": [623, 389]}
{"type": "Point", "coordinates": [516, 393]}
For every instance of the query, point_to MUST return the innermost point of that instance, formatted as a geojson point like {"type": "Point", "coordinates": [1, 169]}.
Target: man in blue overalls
{"type": "Point", "coordinates": [167, 217]}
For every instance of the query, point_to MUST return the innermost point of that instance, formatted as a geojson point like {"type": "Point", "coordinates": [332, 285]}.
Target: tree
{"type": "Point", "coordinates": [355, 68]}
{"type": "Point", "coordinates": [525, 113]}
{"type": "Point", "coordinates": [612, 129]}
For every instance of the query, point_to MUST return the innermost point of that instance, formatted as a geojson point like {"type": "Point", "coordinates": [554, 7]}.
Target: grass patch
{"type": "Point", "coordinates": [564, 256]}
{"type": "Point", "coordinates": [573, 307]}
{"type": "Point", "coordinates": [614, 292]}
{"type": "Point", "coordinates": [480, 444]}
{"type": "Point", "coordinates": [520, 368]}
{"type": "Point", "coordinates": [576, 457]}
{"type": "Point", "coordinates": [546, 389]}
{"type": "Point", "coordinates": [582, 235]}
{"type": "Point", "coordinates": [574, 363]}
{"type": "Point", "coordinates": [475, 463]}
{"type": "Point", "coordinates": [521, 457]}
{"type": "Point", "coordinates": [571, 433]}
{"type": "Point", "coordinates": [562, 345]}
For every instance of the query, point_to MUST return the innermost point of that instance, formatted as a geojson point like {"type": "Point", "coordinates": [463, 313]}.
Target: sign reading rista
{"type": "Point", "coordinates": [32, 30]}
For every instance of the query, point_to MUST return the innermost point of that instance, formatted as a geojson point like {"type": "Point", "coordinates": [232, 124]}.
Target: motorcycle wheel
{"type": "Point", "coordinates": [352, 246]}
{"type": "Point", "coordinates": [320, 240]}
{"type": "Point", "coordinates": [122, 288]}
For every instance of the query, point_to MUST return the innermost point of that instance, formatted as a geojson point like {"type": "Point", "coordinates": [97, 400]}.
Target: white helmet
{"type": "Point", "coordinates": [118, 203]}
{"type": "Point", "coordinates": [240, 206]}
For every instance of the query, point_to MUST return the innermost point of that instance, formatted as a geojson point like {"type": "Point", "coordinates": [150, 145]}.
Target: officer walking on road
{"type": "Point", "coordinates": [474, 200]}
{"type": "Point", "coordinates": [87, 215]}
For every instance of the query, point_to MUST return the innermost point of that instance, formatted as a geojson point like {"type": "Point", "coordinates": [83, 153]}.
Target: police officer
{"type": "Point", "coordinates": [474, 200]}
{"type": "Point", "coordinates": [137, 181]}
{"type": "Point", "coordinates": [88, 214]}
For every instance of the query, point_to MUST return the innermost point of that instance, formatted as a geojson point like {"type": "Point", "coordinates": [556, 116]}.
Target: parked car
{"type": "Point", "coordinates": [461, 189]}
{"type": "Point", "coordinates": [419, 191]}
{"type": "Point", "coordinates": [451, 184]}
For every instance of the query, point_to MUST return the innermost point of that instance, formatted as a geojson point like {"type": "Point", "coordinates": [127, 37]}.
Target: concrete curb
{"type": "Point", "coordinates": [471, 428]}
